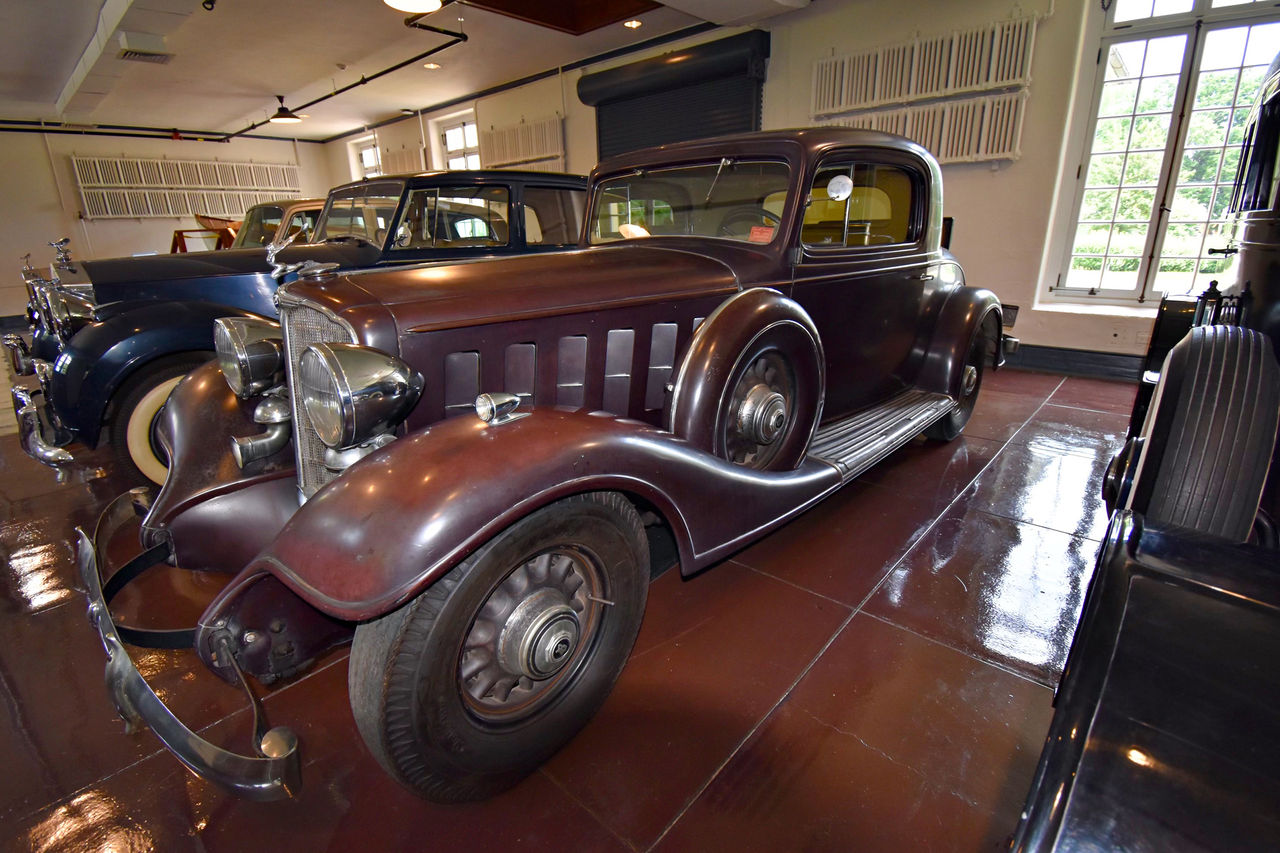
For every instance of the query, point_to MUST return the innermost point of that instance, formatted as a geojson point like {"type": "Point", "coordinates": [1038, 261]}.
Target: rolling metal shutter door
{"type": "Point", "coordinates": [716, 88]}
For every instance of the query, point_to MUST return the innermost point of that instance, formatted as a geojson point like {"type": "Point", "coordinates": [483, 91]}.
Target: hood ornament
{"type": "Point", "coordinates": [275, 249]}
{"type": "Point", "coordinates": [62, 259]}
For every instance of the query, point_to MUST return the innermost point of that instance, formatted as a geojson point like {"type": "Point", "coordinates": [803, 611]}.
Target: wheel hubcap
{"type": "Point", "coordinates": [759, 412]}
{"type": "Point", "coordinates": [762, 415]}
{"type": "Point", "coordinates": [540, 635]}
{"type": "Point", "coordinates": [530, 636]}
{"type": "Point", "coordinates": [970, 379]}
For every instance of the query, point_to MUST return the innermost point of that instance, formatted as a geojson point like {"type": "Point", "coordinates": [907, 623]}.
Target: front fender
{"type": "Point", "coordinates": [402, 517]}
{"type": "Point", "coordinates": [963, 314]}
{"type": "Point", "coordinates": [101, 356]}
{"type": "Point", "coordinates": [216, 515]}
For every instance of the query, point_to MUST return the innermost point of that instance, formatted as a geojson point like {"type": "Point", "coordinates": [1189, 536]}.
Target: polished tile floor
{"type": "Point", "coordinates": [877, 675]}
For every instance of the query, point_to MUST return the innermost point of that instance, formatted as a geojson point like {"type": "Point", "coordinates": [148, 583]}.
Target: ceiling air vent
{"type": "Point", "coordinates": [143, 47]}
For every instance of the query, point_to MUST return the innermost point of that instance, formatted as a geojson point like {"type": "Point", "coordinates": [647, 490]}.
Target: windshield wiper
{"type": "Point", "coordinates": [724, 161]}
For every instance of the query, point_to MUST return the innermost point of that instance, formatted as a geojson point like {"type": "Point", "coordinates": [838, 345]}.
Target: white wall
{"type": "Point", "coordinates": [41, 202]}
{"type": "Point", "coordinates": [1002, 212]}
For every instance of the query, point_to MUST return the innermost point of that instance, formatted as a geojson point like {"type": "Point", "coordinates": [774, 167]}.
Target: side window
{"type": "Point", "coordinates": [860, 204]}
{"type": "Point", "coordinates": [1257, 178]}
{"type": "Point", "coordinates": [454, 217]}
{"type": "Point", "coordinates": [553, 216]}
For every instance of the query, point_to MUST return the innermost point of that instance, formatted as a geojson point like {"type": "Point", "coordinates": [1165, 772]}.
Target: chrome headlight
{"type": "Point", "coordinates": [352, 393]}
{"type": "Point", "coordinates": [69, 312]}
{"type": "Point", "coordinates": [249, 353]}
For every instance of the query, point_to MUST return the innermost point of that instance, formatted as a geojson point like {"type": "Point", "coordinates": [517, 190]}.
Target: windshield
{"type": "Point", "coordinates": [731, 199]}
{"type": "Point", "coordinates": [360, 211]}
{"type": "Point", "coordinates": [259, 228]}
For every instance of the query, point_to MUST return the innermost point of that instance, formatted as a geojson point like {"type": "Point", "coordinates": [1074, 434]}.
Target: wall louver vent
{"type": "Point", "coordinates": [962, 95]}
{"type": "Point", "coordinates": [145, 56]}
{"type": "Point", "coordinates": [133, 188]}
{"type": "Point", "coordinates": [535, 145]}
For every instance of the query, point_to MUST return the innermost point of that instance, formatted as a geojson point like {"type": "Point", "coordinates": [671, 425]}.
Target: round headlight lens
{"type": "Point", "coordinates": [322, 396]}
{"type": "Point", "coordinates": [353, 393]}
{"type": "Point", "coordinates": [249, 353]}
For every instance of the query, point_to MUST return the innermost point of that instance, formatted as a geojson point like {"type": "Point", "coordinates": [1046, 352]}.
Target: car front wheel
{"type": "Point", "coordinates": [467, 689]}
{"type": "Point", "coordinates": [132, 429]}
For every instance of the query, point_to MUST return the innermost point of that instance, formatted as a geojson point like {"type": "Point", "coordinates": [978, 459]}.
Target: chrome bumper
{"type": "Point", "coordinates": [40, 434]}
{"type": "Point", "coordinates": [273, 773]}
{"type": "Point", "coordinates": [19, 355]}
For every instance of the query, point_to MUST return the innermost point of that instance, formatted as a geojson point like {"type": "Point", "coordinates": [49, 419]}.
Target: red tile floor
{"type": "Point", "coordinates": [877, 675]}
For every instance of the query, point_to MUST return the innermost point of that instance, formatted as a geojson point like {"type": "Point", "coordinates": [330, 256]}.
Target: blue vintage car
{"type": "Point", "coordinates": [107, 351]}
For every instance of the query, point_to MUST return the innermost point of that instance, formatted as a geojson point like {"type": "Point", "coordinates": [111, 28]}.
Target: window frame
{"type": "Point", "coordinates": [467, 151]}
{"type": "Point", "coordinates": [917, 226]}
{"type": "Point", "coordinates": [1196, 23]}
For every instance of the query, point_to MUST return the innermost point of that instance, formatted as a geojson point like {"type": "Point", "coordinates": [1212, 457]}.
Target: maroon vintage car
{"type": "Point", "coordinates": [458, 467]}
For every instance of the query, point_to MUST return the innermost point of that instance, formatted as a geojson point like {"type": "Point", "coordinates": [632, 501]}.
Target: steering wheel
{"type": "Point", "coordinates": [749, 215]}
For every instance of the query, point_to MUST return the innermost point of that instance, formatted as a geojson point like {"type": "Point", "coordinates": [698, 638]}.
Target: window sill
{"type": "Point", "coordinates": [1099, 310]}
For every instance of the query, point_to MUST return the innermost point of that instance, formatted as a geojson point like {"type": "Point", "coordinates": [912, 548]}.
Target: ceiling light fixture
{"type": "Point", "coordinates": [432, 66]}
{"type": "Point", "coordinates": [284, 115]}
{"type": "Point", "coordinates": [633, 24]}
{"type": "Point", "coordinates": [415, 7]}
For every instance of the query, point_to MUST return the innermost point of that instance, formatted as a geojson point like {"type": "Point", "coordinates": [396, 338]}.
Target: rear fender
{"type": "Point", "coordinates": [100, 357]}
{"type": "Point", "coordinates": [966, 312]}
{"type": "Point", "coordinates": [402, 517]}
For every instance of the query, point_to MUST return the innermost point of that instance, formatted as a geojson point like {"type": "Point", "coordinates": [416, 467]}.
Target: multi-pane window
{"type": "Point", "coordinates": [461, 144]}
{"type": "Point", "coordinates": [1168, 120]}
{"type": "Point", "coordinates": [368, 161]}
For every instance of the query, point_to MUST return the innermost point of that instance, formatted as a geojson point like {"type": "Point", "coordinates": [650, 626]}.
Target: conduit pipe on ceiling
{"type": "Point", "coordinates": [414, 22]}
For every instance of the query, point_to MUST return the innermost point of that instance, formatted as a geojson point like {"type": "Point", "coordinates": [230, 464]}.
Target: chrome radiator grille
{"type": "Point", "coordinates": [305, 324]}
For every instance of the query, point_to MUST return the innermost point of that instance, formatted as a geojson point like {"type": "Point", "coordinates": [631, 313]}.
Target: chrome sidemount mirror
{"type": "Point", "coordinates": [840, 188]}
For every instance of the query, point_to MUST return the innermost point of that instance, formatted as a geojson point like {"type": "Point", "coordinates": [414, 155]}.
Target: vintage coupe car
{"type": "Point", "coordinates": [106, 361]}
{"type": "Point", "coordinates": [276, 223]}
{"type": "Point", "coordinates": [1166, 734]}
{"type": "Point", "coordinates": [462, 463]}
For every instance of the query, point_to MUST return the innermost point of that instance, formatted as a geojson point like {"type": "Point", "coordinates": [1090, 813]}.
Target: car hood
{"type": "Point", "coordinates": [147, 277]}
{"type": "Point", "coordinates": [150, 268]}
{"type": "Point", "coordinates": [448, 295]}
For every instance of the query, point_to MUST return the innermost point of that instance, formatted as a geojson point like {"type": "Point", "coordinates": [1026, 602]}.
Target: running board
{"type": "Point", "coordinates": [862, 439]}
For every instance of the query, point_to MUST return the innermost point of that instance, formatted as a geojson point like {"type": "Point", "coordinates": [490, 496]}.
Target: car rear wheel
{"type": "Point", "coordinates": [950, 425]}
{"type": "Point", "coordinates": [136, 414]}
{"type": "Point", "coordinates": [467, 689]}
{"type": "Point", "coordinates": [1210, 433]}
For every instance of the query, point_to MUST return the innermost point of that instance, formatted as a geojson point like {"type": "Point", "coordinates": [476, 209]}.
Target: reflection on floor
{"type": "Point", "coordinates": [877, 675]}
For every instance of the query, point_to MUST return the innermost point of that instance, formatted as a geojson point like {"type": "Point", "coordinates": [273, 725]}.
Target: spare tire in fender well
{"type": "Point", "coordinates": [743, 327]}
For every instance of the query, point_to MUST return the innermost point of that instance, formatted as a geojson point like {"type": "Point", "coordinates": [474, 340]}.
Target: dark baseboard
{"type": "Point", "coordinates": [1076, 362]}
{"type": "Point", "coordinates": [1073, 362]}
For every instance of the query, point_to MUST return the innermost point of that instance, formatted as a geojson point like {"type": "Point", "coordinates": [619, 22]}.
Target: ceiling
{"type": "Point", "coordinates": [226, 65]}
